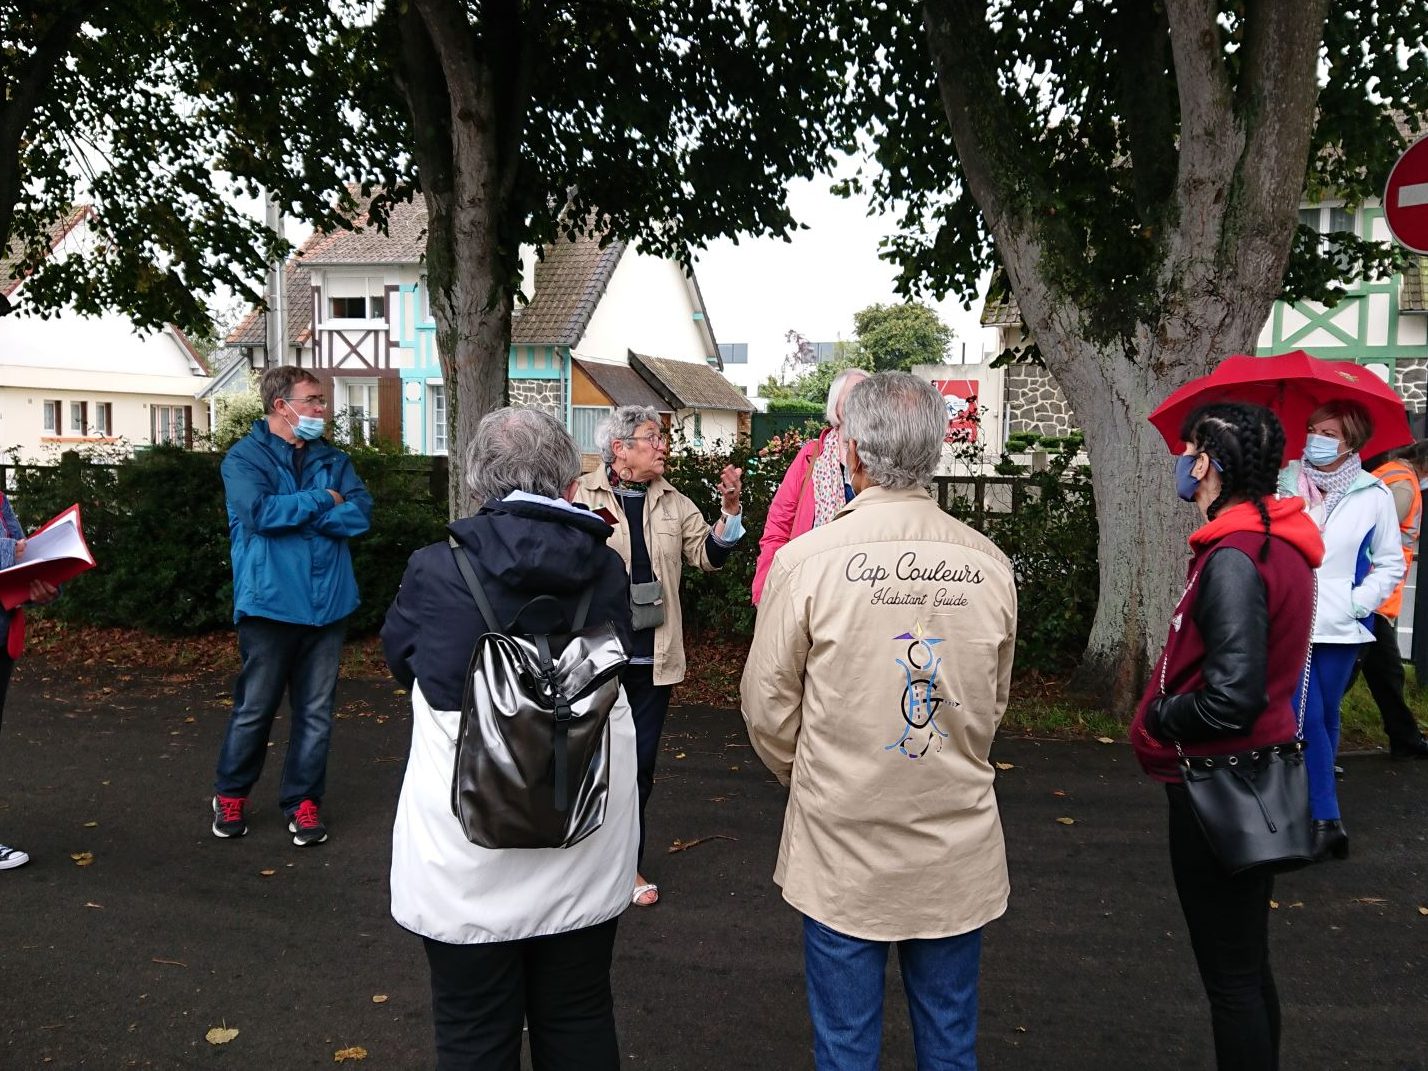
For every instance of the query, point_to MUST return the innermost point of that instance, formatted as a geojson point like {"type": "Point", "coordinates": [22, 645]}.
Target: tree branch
{"type": "Point", "coordinates": [1278, 87]}
{"type": "Point", "coordinates": [22, 95]}
{"type": "Point", "coordinates": [1139, 35]}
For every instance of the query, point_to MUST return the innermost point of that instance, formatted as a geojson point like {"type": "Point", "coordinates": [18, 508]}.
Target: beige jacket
{"type": "Point", "coordinates": [675, 533]}
{"type": "Point", "coordinates": [892, 829]}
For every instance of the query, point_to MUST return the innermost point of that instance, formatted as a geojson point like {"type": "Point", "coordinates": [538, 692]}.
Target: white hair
{"type": "Point", "coordinates": [621, 424]}
{"type": "Point", "coordinates": [898, 422]}
{"type": "Point", "coordinates": [840, 385]}
{"type": "Point", "coordinates": [520, 450]}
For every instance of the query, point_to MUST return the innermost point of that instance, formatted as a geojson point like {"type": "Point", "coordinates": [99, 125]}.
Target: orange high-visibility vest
{"type": "Point", "coordinates": [1396, 472]}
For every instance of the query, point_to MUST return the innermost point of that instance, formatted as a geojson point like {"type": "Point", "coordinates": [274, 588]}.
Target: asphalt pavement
{"type": "Point", "coordinates": [133, 932]}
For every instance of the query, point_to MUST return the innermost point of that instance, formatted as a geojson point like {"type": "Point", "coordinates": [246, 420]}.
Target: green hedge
{"type": "Point", "coordinates": [158, 527]}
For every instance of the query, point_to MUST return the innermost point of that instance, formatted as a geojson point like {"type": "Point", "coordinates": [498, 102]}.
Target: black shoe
{"type": "Point", "coordinates": [1330, 838]}
{"type": "Point", "coordinates": [1416, 751]}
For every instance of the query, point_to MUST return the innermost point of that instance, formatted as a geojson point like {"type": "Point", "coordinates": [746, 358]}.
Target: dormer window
{"type": "Point", "coordinates": [356, 297]}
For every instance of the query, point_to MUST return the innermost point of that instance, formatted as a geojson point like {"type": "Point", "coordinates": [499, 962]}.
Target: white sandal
{"type": "Point", "coordinates": [640, 890]}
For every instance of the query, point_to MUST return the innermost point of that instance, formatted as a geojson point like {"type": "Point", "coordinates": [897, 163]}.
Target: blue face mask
{"type": "Point", "coordinates": [1185, 484]}
{"type": "Point", "coordinates": [308, 428]}
{"type": "Point", "coordinates": [1320, 450]}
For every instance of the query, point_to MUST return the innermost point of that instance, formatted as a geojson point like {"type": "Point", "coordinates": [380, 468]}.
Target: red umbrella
{"type": "Point", "coordinates": [1293, 385]}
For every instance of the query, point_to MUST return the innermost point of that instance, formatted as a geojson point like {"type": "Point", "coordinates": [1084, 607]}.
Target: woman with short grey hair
{"type": "Point", "coordinates": [815, 487]}
{"type": "Point", "coordinates": [659, 531]}
{"type": "Point", "coordinates": [513, 936]}
{"type": "Point", "coordinates": [523, 449]}
{"type": "Point", "coordinates": [898, 423]}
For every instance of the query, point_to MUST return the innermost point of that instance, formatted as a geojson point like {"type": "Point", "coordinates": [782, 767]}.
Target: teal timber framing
{"type": "Point", "coordinates": [537, 362]}
{"type": "Point", "coordinates": [1348, 323]}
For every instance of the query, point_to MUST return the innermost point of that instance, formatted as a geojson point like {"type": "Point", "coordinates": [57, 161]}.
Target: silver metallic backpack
{"type": "Point", "coordinates": [533, 752]}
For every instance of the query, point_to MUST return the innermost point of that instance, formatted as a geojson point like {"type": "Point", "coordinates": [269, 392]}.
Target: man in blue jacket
{"type": "Point", "coordinates": [293, 502]}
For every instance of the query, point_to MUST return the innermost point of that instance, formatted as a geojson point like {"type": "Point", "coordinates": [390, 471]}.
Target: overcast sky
{"type": "Point", "coordinates": [760, 288]}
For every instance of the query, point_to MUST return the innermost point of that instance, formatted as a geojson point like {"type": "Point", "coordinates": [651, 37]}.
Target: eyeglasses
{"type": "Point", "coordinates": [312, 399]}
{"type": "Point", "coordinates": [653, 440]}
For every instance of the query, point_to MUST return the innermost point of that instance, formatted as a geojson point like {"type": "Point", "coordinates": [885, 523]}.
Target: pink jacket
{"type": "Point", "coordinates": [791, 511]}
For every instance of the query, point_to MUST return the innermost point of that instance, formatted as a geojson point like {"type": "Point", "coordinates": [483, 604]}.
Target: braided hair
{"type": "Point", "coordinates": [1248, 443]}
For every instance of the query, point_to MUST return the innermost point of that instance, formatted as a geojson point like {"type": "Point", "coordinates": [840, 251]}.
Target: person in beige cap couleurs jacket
{"type": "Point", "coordinates": [878, 674]}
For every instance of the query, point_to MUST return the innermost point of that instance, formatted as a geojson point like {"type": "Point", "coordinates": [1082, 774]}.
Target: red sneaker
{"type": "Point", "coordinates": [306, 826]}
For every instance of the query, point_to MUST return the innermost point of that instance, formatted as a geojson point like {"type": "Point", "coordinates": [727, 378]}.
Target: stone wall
{"type": "Point", "coordinates": [1411, 382]}
{"type": "Point", "coordinates": [543, 394]}
{"type": "Point", "coordinates": [1035, 402]}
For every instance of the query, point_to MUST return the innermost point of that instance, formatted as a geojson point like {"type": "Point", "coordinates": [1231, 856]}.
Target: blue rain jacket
{"type": "Point", "coordinates": [289, 537]}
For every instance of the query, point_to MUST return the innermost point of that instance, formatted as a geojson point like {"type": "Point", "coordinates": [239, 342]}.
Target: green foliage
{"type": "Point", "coordinates": [723, 600]}
{"type": "Point", "coordinates": [1051, 541]}
{"type": "Point", "coordinates": [158, 527]}
{"type": "Point", "coordinates": [893, 338]}
{"type": "Point", "coordinates": [796, 405]}
{"type": "Point", "coordinates": [812, 385]}
{"type": "Point", "coordinates": [235, 414]}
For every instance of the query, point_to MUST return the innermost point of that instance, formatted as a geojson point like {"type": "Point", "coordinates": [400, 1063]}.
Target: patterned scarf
{"type": "Point", "coordinates": [629, 487]}
{"type": "Point", "coordinates": [1324, 490]}
{"type": "Point", "coordinates": [828, 496]}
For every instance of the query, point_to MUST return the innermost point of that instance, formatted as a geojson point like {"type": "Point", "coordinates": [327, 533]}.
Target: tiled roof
{"type": "Point", "coordinates": [404, 242]}
{"type": "Point", "coordinates": [1000, 309]}
{"type": "Point", "coordinates": [690, 384]}
{"type": "Point", "coordinates": [623, 385]}
{"type": "Point", "coordinates": [1414, 295]}
{"type": "Point", "coordinates": [569, 282]}
{"type": "Point", "coordinates": [10, 261]}
{"type": "Point", "coordinates": [297, 300]}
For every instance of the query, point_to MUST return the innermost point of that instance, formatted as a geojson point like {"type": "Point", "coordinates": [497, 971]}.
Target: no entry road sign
{"type": "Point", "coordinates": [1405, 198]}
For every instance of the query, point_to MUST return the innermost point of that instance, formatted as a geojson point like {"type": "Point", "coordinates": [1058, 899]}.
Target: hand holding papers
{"type": "Point", "coordinates": [55, 553]}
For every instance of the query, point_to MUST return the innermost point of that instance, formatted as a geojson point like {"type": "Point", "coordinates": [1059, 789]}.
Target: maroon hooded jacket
{"type": "Point", "coordinates": [1295, 548]}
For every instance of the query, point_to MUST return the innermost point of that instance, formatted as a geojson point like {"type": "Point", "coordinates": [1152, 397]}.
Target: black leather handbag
{"type": "Point", "coordinates": [1253, 806]}
{"type": "Point", "coordinates": [533, 750]}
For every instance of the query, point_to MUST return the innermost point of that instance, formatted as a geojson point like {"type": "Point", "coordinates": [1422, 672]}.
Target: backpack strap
{"type": "Point", "coordinates": [473, 583]}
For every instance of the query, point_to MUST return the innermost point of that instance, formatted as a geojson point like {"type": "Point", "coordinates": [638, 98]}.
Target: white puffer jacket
{"type": "Point", "coordinates": [1362, 529]}
{"type": "Point", "coordinates": [446, 888]}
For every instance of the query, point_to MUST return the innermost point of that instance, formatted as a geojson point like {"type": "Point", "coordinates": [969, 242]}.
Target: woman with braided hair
{"type": "Point", "coordinates": [1363, 563]}
{"type": "Point", "coordinates": [1229, 681]}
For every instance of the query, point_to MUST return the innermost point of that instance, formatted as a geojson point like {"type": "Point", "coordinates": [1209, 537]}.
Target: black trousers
{"type": "Point", "coordinates": [1228, 918]}
{"type": "Point", "coordinates": [7, 666]}
{"type": "Point", "coordinates": [481, 996]}
{"type": "Point", "coordinates": [649, 703]}
{"type": "Point", "coordinates": [1383, 673]}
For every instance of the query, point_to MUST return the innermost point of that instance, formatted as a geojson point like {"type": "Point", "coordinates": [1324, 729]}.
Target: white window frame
{"type": "Point", "coordinates": [436, 418]}
{"type": "Point", "coordinates": [52, 415]}
{"type": "Point", "coordinates": [78, 418]}
{"type": "Point", "coordinates": [103, 418]}
{"type": "Point", "coordinates": [362, 286]}
{"type": "Point", "coordinates": [369, 400]}
{"type": "Point", "coordinates": [593, 414]}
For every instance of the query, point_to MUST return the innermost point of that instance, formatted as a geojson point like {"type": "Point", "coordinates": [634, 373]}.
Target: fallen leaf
{"type": "Point", "coordinates": [1067, 821]}
{"type": "Point", "coordinates": [82, 858]}
{"type": "Point", "coordinates": [91, 903]}
{"type": "Point", "coordinates": [1274, 903]}
{"type": "Point", "coordinates": [1297, 903]}
{"type": "Point", "coordinates": [221, 1035]}
{"type": "Point", "coordinates": [170, 962]}
{"type": "Point", "coordinates": [685, 845]}
{"type": "Point", "coordinates": [90, 825]}
{"type": "Point", "coordinates": [1104, 740]}
{"type": "Point", "coordinates": [680, 755]}
{"type": "Point", "coordinates": [1059, 792]}
{"type": "Point", "coordinates": [733, 769]}
{"type": "Point", "coordinates": [1004, 765]}
{"type": "Point", "coordinates": [267, 873]}
{"type": "Point", "coordinates": [1371, 901]}
{"type": "Point", "coordinates": [379, 998]}
{"type": "Point", "coordinates": [352, 1052]}
{"type": "Point", "coordinates": [399, 691]}
{"type": "Point", "coordinates": [1423, 910]}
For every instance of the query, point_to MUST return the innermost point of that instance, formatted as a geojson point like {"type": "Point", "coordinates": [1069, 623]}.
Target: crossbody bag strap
{"type": "Point", "coordinates": [1308, 660]}
{"type": "Point", "coordinates": [473, 584]}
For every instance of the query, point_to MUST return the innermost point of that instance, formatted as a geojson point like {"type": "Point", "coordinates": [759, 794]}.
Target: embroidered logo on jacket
{"type": "Point", "coordinates": [921, 696]}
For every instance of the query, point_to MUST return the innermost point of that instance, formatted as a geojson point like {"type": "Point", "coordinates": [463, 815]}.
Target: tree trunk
{"type": "Point", "coordinates": [463, 155]}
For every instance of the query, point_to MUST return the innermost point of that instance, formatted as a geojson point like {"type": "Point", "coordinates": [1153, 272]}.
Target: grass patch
{"type": "Point", "coordinates": [1362, 726]}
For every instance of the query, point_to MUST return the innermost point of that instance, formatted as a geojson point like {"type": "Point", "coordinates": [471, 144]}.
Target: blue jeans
{"type": "Point", "coordinates": [276, 657]}
{"type": "Point", "coordinates": [1331, 665]}
{"type": "Point", "coordinates": [845, 998]}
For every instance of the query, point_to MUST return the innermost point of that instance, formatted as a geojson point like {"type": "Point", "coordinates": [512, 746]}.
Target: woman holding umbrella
{"type": "Point", "coordinates": [1363, 563]}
